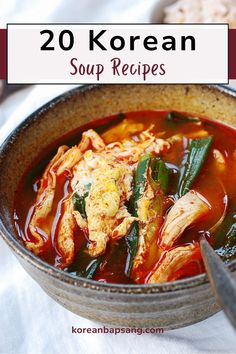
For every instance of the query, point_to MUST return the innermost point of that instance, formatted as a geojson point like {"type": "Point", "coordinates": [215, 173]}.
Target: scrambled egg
{"type": "Point", "coordinates": [102, 205]}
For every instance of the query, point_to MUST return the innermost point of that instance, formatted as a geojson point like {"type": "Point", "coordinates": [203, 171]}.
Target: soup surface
{"type": "Point", "coordinates": [128, 197]}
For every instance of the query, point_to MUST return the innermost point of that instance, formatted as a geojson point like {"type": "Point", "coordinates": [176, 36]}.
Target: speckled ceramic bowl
{"type": "Point", "coordinates": [157, 15]}
{"type": "Point", "coordinates": [168, 305]}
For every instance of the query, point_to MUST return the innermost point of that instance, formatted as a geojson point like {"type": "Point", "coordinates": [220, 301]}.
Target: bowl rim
{"type": "Point", "coordinates": [69, 278]}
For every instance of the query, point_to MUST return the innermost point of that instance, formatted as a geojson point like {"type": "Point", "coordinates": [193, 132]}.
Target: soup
{"type": "Point", "coordinates": [128, 197]}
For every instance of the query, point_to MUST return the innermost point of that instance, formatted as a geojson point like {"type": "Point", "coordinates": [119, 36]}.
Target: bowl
{"type": "Point", "coordinates": [157, 15]}
{"type": "Point", "coordinates": [169, 305]}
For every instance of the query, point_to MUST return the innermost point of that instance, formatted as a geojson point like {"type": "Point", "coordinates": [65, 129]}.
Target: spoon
{"type": "Point", "coordinates": [221, 280]}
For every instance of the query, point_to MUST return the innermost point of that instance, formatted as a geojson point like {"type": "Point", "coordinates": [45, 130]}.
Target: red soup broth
{"type": "Point", "coordinates": [219, 191]}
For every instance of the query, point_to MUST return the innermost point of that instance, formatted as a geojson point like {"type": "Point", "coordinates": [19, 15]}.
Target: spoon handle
{"type": "Point", "coordinates": [222, 282]}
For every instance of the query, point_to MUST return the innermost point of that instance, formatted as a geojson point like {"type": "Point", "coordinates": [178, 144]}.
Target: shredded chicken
{"type": "Point", "coordinates": [122, 229]}
{"type": "Point", "coordinates": [150, 220]}
{"type": "Point", "coordinates": [81, 222]}
{"type": "Point", "coordinates": [91, 138]}
{"type": "Point", "coordinates": [67, 160]}
{"type": "Point", "coordinates": [145, 215]}
{"type": "Point", "coordinates": [144, 204]}
{"type": "Point", "coordinates": [65, 235]}
{"type": "Point", "coordinates": [64, 160]}
{"type": "Point", "coordinates": [219, 160]}
{"type": "Point", "coordinates": [184, 212]}
{"type": "Point", "coordinates": [43, 204]}
{"type": "Point", "coordinates": [172, 262]}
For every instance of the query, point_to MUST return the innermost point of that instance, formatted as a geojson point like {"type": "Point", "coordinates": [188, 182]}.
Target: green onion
{"type": "Point", "coordinates": [91, 269]}
{"type": "Point", "coordinates": [140, 181]}
{"type": "Point", "coordinates": [79, 205]}
{"type": "Point", "coordinates": [197, 153]}
{"type": "Point", "coordinates": [132, 243]}
{"type": "Point", "coordinates": [178, 117]}
{"type": "Point", "coordinates": [227, 251]}
{"type": "Point", "coordinates": [160, 173]}
{"type": "Point", "coordinates": [79, 201]}
{"type": "Point", "coordinates": [158, 177]}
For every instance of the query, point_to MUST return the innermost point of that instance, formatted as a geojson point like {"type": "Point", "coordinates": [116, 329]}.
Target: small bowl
{"type": "Point", "coordinates": [168, 305]}
{"type": "Point", "coordinates": [157, 15]}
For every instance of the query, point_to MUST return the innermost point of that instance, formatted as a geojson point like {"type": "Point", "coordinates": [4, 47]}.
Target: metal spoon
{"type": "Point", "coordinates": [222, 282]}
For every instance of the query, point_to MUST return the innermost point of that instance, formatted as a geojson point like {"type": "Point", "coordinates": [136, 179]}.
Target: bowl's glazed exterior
{"type": "Point", "coordinates": [168, 305]}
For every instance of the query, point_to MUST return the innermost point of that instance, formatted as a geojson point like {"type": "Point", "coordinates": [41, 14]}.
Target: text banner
{"type": "Point", "coordinates": [135, 53]}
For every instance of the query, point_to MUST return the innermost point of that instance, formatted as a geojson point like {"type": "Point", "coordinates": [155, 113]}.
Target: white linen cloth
{"type": "Point", "coordinates": [30, 322]}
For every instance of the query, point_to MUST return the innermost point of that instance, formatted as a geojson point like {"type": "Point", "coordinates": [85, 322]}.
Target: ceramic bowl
{"type": "Point", "coordinates": [157, 15]}
{"type": "Point", "coordinates": [169, 305]}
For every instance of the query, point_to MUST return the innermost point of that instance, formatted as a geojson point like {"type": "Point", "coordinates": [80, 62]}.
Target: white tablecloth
{"type": "Point", "coordinates": [30, 322]}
